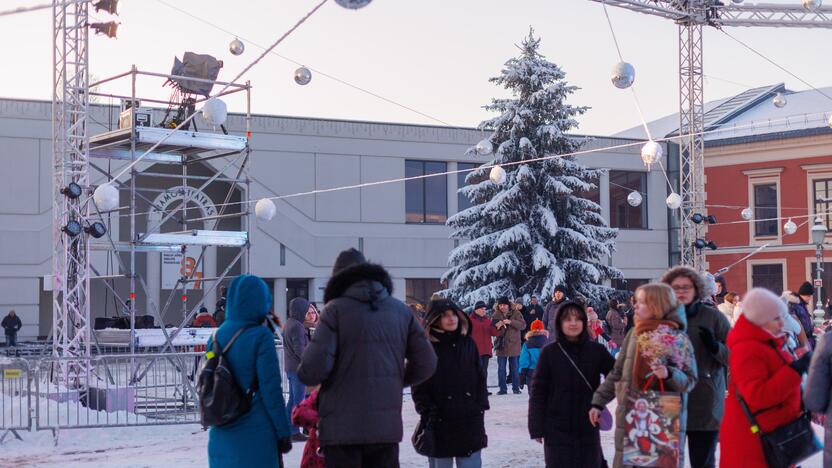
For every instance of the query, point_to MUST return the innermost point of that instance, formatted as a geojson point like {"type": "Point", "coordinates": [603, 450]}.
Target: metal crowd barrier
{"type": "Point", "coordinates": [15, 398]}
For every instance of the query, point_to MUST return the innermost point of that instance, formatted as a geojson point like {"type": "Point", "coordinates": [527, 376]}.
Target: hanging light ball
{"type": "Point", "coordinates": [747, 214]}
{"type": "Point", "coordinates": [651, 153]}
{"type": "Point", "coordinates": [303, 76]}
{"type": "Point", "coordinates": [353, 4]}
{"type": "Point", "coordinates": [265, 209]}
{"type": "Point", "coordinates": [634, 199]}
{"type": "Point", "coordinates": [779, 101]}
{"type": "Point", "coordinates": [497, 175]}
{"type": "Point", "coordinates": [812, 4]}
{"type": "Point", "coordinates": [106, 197]}
{"type": "Point", "coordinates": [623, 75]}
{"type": "Point", "coordinates": [236, 47]}
{"type": "Point", "coordinates": [790, 227]}
{"type": "Point", "coordinates": [674, 201]}
{"type": "Point", "coordinates": [215, 112]}
{"type": "Point", "coordinates": [484, 147]}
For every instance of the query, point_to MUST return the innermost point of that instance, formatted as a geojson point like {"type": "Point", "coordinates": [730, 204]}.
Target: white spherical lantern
{"type": "Point", "coordinates": [353, 4]}
{"type": "Point", "coordinates": [812, 4]}
{"type": "Point", "coordinates": [747, 214]}
{"type": "Point", "coordinates": [779, 100]}
{"type": "Point", "coordinates": [265, 209]}
{"type": "Point", "coordinates": [623, 75]}
{"type": "Point", "coordinates": [106, 197]}
{"type": "Point", "coordinates": [790, 227]}
{"type": "Point", "coordinates": [674, 201]}
{"type": "Point", "coordinates": [236, 47]}
{"type": "Point", "coordinates": [497, 175]}
{"type": "Point", "coordinates": [651, 153]}
{"type": "Point", "coordinates": [634, 199]}
{"type": "Point", "coordinates": [484, 147]}
{"type": "Point", "coordinates": [303, 76]}
{"type": "Point", "coordinates": [215, 112]}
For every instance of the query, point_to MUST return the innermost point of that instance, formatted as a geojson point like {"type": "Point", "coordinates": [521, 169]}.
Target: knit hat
{"type": "Point", "coordinates": [536, 325]}
{"type": "Point", "coordinates": [761, 306]}
{"type": "Point", "coordinates": [480, 305]}
{"type": "Point", "coordinates": [806, 289]}
{"type": "Point", "coordinates": [346, 259]}
{"type": "Point", "coordinates": [561, 289]}
{"type": "Point", "coordinates": [503, 300]}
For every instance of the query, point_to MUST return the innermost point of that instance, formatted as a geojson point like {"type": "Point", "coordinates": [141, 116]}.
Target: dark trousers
{"type": "Point", "coordinates": [702, 448]}
{"type": "Point", "coordinates": [513, 367]}
{"type": "Point", "coordinates": [362, 456]}
{"type": "Point", "coordinates": [11, 339]}
{"type": "Point", "coordinates": [297, 392]}
{"type": "Point", "coordinates": [484, 361]}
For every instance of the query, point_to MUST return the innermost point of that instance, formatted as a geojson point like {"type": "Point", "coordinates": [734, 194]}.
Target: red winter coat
{"type": "Point", "coordinates": [306, 415]}
{"type": "Point", "coordinates": [482, 331]}
{"type": "Point", "coordinates": [204, 321]}
{"type": "Point", "coordinates": [759, 370]}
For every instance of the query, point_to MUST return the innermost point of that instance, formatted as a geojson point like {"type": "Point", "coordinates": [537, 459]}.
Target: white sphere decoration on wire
{"type": "Point", "coordinates": [623, 75]}
{"type": "Point", "coordinates": [790, 227]}
{"type": "Point", "coordinates": [236, 47]}
{"type": "Point", "coordinates": [497, 175]}
{"type": "Point", "coordinates": [747, 214]}
{"type": "Point", "coordinates": [106, 197]}
{"type": "Point", "coordinates": [779, 100]}
{"type": "Point", "coordinates": [812, 4]}
{"type": "Point", "coordinates": [303, 76]}
{"type": "Point", "coordinates": [634, 199]}
{"type": "Point", "coordinates": [265, 209]}
{"type": "Point", "coordinates": [651, 153]}
{"type": "Point", "coordinates": [484, 147]}
{"type": "Point", "coordinates": [214, 111]}
{"type": "Point", "coordinates": [674, 201]}
{"type": "Point", "coordinates": [353, 4]}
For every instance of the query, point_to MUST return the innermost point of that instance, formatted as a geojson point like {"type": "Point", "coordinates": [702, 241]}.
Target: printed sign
{"type": "Point", "coordinates": [12, 373]}
{"type": "Point", "coordinates": [175, 266]}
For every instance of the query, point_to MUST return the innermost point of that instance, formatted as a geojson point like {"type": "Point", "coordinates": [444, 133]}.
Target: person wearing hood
{"type": "Point", "coordinates": [568, 373]}
{"type": "Point", "coordinates": [482, 331]}
{"type": "Point", "coordinates": [656, 305]}
{"type": "Point", "coordinates": [795, 337]}
{"type": "Point", "coordinates": [11, 325]}
{"type": "Point", "coordinates": [508, 344]}
{"type": "Point", "coordinates": [295, 340]}
{"type": "Point", "coordinates": [799, 307]}
{"type": "Point", "coordinates": [204, 319]}
{"type": "Point", "coordinates": [764, 375]}
{"type": "Point", "coordinates": [366, 349]}
{"type": "Point", "coordinates": [558, 298]}
{"type": "Point", "coordinates": [536, 338]}
{"type": "Point", "coordinates": [708, 331]}
{"type": "Point", "coordinates": [453, 401]}
{"type": "Point", "coordinates": [259, 436]}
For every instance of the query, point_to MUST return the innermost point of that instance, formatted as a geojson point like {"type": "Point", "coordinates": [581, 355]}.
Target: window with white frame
{"type": "Point", "coordinates": [769, 276]}
{"type": "Point", "coordinates": [765, 210]}
{"type": "Point", "coordinates": [821, 197]}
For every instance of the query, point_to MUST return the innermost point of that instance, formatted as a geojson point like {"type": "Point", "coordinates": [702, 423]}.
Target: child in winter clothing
{"type": "Point", "coordinates": [536, 339]}
{"type": "Point", "coordinates": [305, 415]}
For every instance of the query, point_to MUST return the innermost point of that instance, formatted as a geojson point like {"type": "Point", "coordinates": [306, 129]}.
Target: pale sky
{"type": "Point", "coordinates": [432, 55]}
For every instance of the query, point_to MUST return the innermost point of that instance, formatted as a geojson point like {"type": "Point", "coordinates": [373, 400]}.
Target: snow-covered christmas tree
{"type": "Point", "coordinates": [535, 231]}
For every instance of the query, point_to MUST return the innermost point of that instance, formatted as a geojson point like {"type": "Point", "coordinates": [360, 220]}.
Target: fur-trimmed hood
{"type": "Point", "coordinates": [537, 339]}
{"type": "Point", "coordinates": [377, 283]}
{"type": "Point", "coordinates": [790, 298]}
{"type": "Point", "coordinates": [438, 308]}
{"type": "Point", "coordinates": [532, 333]}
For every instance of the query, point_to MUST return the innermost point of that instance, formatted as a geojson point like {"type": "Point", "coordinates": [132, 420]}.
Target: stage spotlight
{"type": "Point", "coordinates": [712, 245]}
{"type": "Point", "coordinates": [711, 219]}
{"type": "Point", "coordinates": [72, 228]}
{"type": "Point", "coordinates": [699, 244]}
{"type": "Point", "coordinates": [72, 191]}
{"type": "Point", "coordinates": [697, 218]}
{"type": "Point", "coordinates": [96, 230]}
{"type": "Point", "coordinates": [109, 28]}
{"type": "Point", "coordinates": [110, 6]}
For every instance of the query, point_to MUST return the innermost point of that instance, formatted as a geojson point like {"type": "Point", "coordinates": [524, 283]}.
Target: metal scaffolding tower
{"type": "Point", "coordinates": [692, 16]}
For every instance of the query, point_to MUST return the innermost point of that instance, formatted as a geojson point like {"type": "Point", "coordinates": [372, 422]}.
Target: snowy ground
{"type": "Point", "coordinates": [185, 445]}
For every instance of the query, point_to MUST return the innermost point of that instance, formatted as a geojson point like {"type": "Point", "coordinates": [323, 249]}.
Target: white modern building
{"type": "Point", "coordinates": [398, 224]}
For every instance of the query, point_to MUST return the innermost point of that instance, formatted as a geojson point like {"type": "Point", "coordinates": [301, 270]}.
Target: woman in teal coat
{"type": "Point", "coordinates": [253, 439]}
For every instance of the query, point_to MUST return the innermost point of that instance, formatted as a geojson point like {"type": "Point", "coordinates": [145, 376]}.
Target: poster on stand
{"type": "Point", "coordinates": [175, 265]}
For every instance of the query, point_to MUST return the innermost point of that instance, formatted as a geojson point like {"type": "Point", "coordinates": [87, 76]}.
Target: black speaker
{"type": "Point", "coordinates": [144, 321]}
{"type": "Point", "coordinates": [105, 322]}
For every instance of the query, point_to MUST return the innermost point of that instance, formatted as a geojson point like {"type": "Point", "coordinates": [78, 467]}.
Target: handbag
{"type": "Point", "coordinates": [652, 427]}
{"type": "Point", "coordinates": [606, 417]}
{"type": "Point", "coordinates": [787, 445]}
{"type": "Point", "coordinates": [424, 437]}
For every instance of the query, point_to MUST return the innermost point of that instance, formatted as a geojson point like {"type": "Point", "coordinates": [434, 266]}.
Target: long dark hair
{"type": "Point", "coordinates": [568, 308]}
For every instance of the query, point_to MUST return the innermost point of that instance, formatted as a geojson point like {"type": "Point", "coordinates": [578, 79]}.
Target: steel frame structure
{"type": "Point", "coordinates": [692, 16]}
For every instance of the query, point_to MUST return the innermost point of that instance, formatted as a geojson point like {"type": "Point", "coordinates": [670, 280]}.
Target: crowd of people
{"type": "Point", "coordinates": [690, 365]}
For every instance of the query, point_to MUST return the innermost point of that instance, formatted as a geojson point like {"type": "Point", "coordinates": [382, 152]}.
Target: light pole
{"type": "Point", "coordinates": [818, 236]}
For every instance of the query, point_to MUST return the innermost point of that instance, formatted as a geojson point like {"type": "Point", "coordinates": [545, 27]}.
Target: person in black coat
{"type": "Point", "coordinates": [561, 398]}
{"type": "Point", "coordinates": [11, 325]}
{"type": "Point", "coordinates": [455, 398]}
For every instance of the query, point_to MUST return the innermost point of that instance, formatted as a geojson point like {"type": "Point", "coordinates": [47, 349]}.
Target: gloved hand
{"type": "Point", "coordinates": [802, 365]}
{"type": "Point", "coordinates": [709, 340]}
{"type": "Point", "coordinates": [284, 445]}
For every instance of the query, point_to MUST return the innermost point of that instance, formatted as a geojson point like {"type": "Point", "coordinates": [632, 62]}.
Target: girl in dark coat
{"type": "Point", "coordinates": [455, 397]}
{"type": "Point", "coordinates": [561, 398]}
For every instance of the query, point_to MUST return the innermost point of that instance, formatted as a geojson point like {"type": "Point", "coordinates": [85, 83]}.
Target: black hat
{"type": "Point", "coordinates": [346, 259]}
{"type": "Point", "coordinates": [203, 309]}
{"type": "Point", "coordinates": [480, 305]}
{"type": "Point", "coordinates": [806, 289]}
{"type": "Point", "coordinates": [561, 289]}
{"type": "Point", "coordinates": [503, 300]}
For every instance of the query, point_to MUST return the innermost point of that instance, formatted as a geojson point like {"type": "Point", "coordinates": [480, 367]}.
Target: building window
{"type": "Point", "coordinates": [463, 202]}
{"type": "Point", "coordinates": [822, 197]}
{"type": "Point", "coordinates": [768, 276]}
{"type": "Point", "coordinates": [296, 288]}
{"type": "Point", "coordinates": [426, 199]}
{"type": "Point", "coordinates": [630, 284]}
{"type": "Point", "coordinates": [420, 290]}
{"type": "Point", "coordinates": [622, 214]}
{"type": "Point", "coordinates": [765, 210]}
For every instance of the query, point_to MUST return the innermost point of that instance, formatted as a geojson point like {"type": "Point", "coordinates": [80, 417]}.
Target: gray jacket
{"type": "Point", "coordinates": [294, 334]}
{"type": "Point", "coordinates": [366, 349]}
{"type": "Point", "coordinates": [819, 389]}
{"type": "Point", "coordinates": [706, 403]}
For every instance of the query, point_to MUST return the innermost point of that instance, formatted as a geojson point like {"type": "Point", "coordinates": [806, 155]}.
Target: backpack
{"type": "Point", "coordinates": [221, 399]}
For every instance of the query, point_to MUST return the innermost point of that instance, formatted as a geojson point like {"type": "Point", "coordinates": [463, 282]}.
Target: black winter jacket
{"type": "Point", "coordinates": [366, 349]}
{"type": "Point", "coordinates": [295, 338]}
{"type": "Point", "coordinates": [11, 324]}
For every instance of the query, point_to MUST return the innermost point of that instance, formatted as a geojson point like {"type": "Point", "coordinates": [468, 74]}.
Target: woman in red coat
{"type": "Point", "coordinates": [764, 374]}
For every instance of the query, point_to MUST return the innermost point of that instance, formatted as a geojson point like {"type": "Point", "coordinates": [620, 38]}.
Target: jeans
{"type": "Point", "coordinates": [513, 364]}
{"type": "Point", "coordinates": [472, 461]}
{"type": "Point", "coordinates": [484, 361]}
{"type": "Point", "coordinates": [361, 456]}
{"type": "Point", "coordinates": [297, 391]}
{"type": "Point", "coordinates": [11, 340]}
{"type": "Point", "coordinates": [702, 448]}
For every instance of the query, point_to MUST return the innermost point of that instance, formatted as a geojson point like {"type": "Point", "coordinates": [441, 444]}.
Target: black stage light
{"type": "Point", "coordinates": [72, 228]}
{"type": "Point", "coordinates": [96, 229]}
{"type": "Point", "coordinates": [72, 191]}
